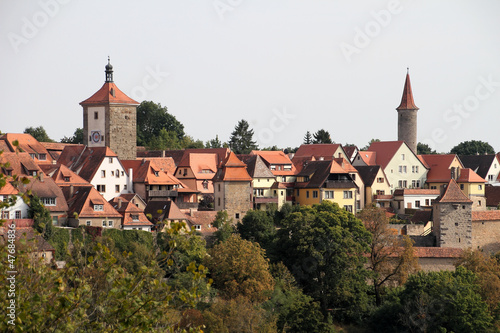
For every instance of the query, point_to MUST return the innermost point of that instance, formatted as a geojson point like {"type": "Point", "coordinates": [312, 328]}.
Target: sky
{"type": "Point", "coordinates": [285, 66]}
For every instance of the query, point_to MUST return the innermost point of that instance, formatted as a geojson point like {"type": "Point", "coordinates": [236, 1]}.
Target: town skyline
{"type": "Point", "coordinates": [284, 67]}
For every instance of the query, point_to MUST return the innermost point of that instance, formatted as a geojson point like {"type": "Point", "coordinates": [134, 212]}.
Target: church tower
{"type": "Point", "coordinates": [110, 119]}
{"type": "Point", "coordinates": [407, 117]}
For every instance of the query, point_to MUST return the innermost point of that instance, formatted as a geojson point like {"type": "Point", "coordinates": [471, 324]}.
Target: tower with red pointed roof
{"type": "Point", "coordinates": [407, 117]}
{"type": "Point", "coordinates": [110, 119]}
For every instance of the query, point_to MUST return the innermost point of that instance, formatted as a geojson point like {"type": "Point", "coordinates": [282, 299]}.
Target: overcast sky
{"type": "Point", "coordinates": [286, 66]}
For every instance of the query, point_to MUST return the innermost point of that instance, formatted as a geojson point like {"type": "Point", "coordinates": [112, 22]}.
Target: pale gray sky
{"type": "Point", "coordinates": [286, 66]}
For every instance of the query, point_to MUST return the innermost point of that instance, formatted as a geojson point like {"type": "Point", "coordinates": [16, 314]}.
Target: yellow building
{"type": "Point", "coordinates": [326, 180]}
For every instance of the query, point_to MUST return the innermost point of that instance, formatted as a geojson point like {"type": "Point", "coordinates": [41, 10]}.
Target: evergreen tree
{"type": "Point", "coordinates": [322, 136]}
{"type": "Point", "coordinates": [308, 138]}
{"type": "Point", "coordinates": [241, 138]}
{"type": "Point", "coordinates": [214, 143]}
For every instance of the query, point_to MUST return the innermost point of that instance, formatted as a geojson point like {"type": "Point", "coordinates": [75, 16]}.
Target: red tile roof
{"type": "Point", "coordinates": [469, 176]}
{"type": "Point", "coordinates": [345, 164]}
{"type": "Point", "coordinates": [369, 157]}
{"type": "Point", "coordinates": [205, 219]}
{"type": "Point", "coordinates": [85, 161]}
{"type": "Point", "coordinates": [407, 102]}
{"type": "Point", "coordinates": [454, 194]}
{"type": "Point", "coordinates": [26, 143]}
{"type": "Point", "coordinates": [81, 200]}
{"type": "Point", "coordinates": [385, 151]}
{"type": "Point", "coordinates": [439, 166]}
{"type": "Point", "coordinates": [233, 170]}
{"type": "Point", "coordinates": [204, 166]}
{"type": "Point", "coordinates": [416, 191]}
{"type": "Point", "coordinates": [326, 150]}
{"type": "Point", "coordinates": [273, 157]}
{"type": "Point", "coordinates": [109, 94]}
{"type": "Point", "coordinates": [127, 210]}
{"type": "Point", "coordinates": [60, 173]}
{"type": "Point", "coordinates": [487, 215]}
{"type": "Point", "coordinates": [437, 252]}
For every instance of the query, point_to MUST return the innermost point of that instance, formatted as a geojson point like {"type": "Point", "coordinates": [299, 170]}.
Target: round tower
{"type": "Point", "coordinates": [407, 117]}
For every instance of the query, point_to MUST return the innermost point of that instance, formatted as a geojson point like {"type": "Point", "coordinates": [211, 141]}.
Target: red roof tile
{"type": "Point", "coordinates": [233, 170]}
{"type": "Point", "coordinates": [487, 215]}
{"type": "Point", "coordinates": [109, 94]}
{"type": "Point", "coordinates": [454, 194]}
{"type": "Point", "coordinates": [27, 143]}
{"type": "Point", "coordinates": [407, 102]}
{"type": "Point", "coordinates": [273, 157]}
{"type": "Point", "coordinates": [469, 176]}
{"type": "Point", "coordinates": [326, 150]}
{"type": "Point", "coordinates": [439, 165]}
{"type": "Point", "coordinates": [437, 252]}
{"type": "Point", "coordinates": [369, 157]}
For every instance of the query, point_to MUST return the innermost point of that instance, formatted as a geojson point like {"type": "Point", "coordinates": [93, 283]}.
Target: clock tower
{"type": "Point", "coordinates": [110, 119]}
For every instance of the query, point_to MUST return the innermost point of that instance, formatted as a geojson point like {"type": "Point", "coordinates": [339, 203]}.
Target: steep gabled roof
{"type": "Point", "coordinates": [385, 151]}
{"type": "Point", "coordinates": [350, 151]}
{"type": "Point", "coordinates": [319, 172]}
{"type": "Point", "coordinates": [233, 170]}
{"type": "Point", "coordinates": [165, 210]}
{"type": "Point", "coordinates": [26, 143]}
{"type": "Point", "coordinates": [479, 163]}
{"type": "Point", "coordinates": [81, 200]}
{"type": "Point", "coordinates": [369, 157]}
{"type": "Point", "coordinates": [60, 173]}
{"type": "Point", "coordinates": [128, 210]}
{"type": "Point", "coordinates": [151, 171]}
{"type": "Point", "coordinates": [21, 164]}
{"type": "Point", "coordinates": [256, 167]}
{"type": "Point", "coordinates": [272, 156]}
{"type": "Point", "coordinates": [453, 194]}
{"type": "Point", "coordinates": [469, 176]}
{"type": "Point", "coordinates": [439, 166]}
{"type": "Point", "coordinates": [368, 173]}
{"type": "Point", "coordinates": [345, 164]}
{"type": "Point", "coordinates": [204, 166]}
{"type": "Point", "coordinates": [407, 102]}
{"type": "Point", "coordinates": [45, 187]}
{"type": "Point", "coordinates": [85, 161]}
{"type": "Point", "coordinates": [109, 94]}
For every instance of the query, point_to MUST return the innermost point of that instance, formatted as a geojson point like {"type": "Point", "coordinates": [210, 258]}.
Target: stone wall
{"type": "Point", "coordinates": [486, 236]}
{"type": "Point", "coordinates": [453, 224]}
{"type": "Point", "coordinates": [436, 264]}
{"type": "Point", "coordinates": [407, 128]}
{"type": "Point", "coordinates": [121, 130]}
{"type": "Point", "coordinates": [237, 199]}
{"type": "Point", "coordinates": [478, 203]}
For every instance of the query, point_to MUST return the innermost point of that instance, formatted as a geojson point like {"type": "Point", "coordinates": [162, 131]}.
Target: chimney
{"type": "Point", "coordinates": [41, 176]}
{"type": "Point", "coordinates": [71, 190]}
{"type": "Point", "coordinates": [119, 203]}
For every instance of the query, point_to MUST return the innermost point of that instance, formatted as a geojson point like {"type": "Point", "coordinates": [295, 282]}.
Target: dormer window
{"type": "Point", "coordinates": [33, 155]}
{"type": "Point", "coordinates": [205, 184]}
{"type": "Point", "coordinates": [49, 201]}
{"type": "Point", "coordinates": [134, 217]}
{"type": "Point", "coordinates": [34, 173]}
{"type": "Point", "coordinates": [98, 208]}
{"type": "Point", "coordinates": [157, 174]}
{"type": "Point", "coordinates": [66, 179]}
{"type": "Point", "coordinates": [197, 227]}
{"type": "Point", "coordinates": [42, 157]}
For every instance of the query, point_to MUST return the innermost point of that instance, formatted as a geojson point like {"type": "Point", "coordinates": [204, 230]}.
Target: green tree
{"type": "Point", "coordinates": [308, 138]}
{"type": "Point", "coordinates": [241, 140]}
{"type": "Point", "coordinates": [239, 268]}
{"type": "Point", "coordinates": [76, 138]}
{"type": "Point", "coordinates": [41, 217]}
{"type": "Point", "coordinates": [224, 225]}
{"type": "Point", "coordinates": [391, 257]}
{"type": "Point", "coordinates": [188, 142]}
{"type": "Point", "coordinates": [369, 144]}
{"type": "Point", "coordinates": [271, 148]}
{"type": "Point", "coordinates": [424, 149]}
{"type": "Point", "coordinates": [214, 143]}
{"type": "Point", "coordinates": [322, 136]}
{"type": "Point", "coordinates": [164, 140]}
{"type": "Point", "coordinates": [324, 247]}
{"type": "Point", "coordinates": [151, 119]}
{"type": "Point", "coordinates": [257, 226]}
{"type": "Point", "coordinates": [472, 147]}
{"type": "Point", "coordinates": [38, 133]}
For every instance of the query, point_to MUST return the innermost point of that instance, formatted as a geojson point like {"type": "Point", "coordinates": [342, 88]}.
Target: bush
{"type": "Point", "coordinates": [60, 240]}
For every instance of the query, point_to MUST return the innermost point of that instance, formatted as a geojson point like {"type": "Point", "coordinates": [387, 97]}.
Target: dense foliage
{"type": "Point", "coordinates": [241, 140]}
{"type": "Point", "coordinates": [473, 147]}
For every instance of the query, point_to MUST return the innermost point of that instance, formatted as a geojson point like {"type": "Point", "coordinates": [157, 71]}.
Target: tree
{"type": "Point", "coordinates": [369, 144]}
{"type": "Point", "coordinates": [76, 138]}
{"type": "Point", "coordinates": [322, 136]}
{"type": "Point", "coordinates": [241, 138]}
{"type": "Point", "coordinates": [308, 138]}
{"type": "Point", "coordinates": [188, 142]}
{"type": "Point", "coordinates": [257, 226]}
{"type": "Point", "coordinates": [324, 247]}
{"type": "Point", "coordinates": [472, 147]}
{"type": "Point", "coordinates": [214, 143]}
{"type": "Point", "coordinates": [151, 119]}
{"type": "Point", "coordinates": [239, 268]}
{"type": "Point", "coordinates": [42, 221]}
{"type": "Point", "coordinates": [224, 225]}
{"type": "Point", "coordinates": [391, 257]}
{"type": "Point", "coordinates": [271, 148]}
{"type": "Point", "coordinates": [38, 133]}
{"type": "Point", "coordinates": [424, 149]}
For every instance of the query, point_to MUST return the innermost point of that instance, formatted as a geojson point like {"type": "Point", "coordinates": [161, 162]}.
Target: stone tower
{"type": "Point", "coordinates": [452, 218]}
{"type": "Point", "coordinates": [407, 117]}
{"type": "Point", "coordinates": [110, 119]}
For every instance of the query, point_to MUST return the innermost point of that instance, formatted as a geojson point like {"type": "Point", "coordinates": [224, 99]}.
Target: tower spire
{"type": "Point", "coordinates": [109, 72]}
{"type": "Point", "coordinates": [407, 102]}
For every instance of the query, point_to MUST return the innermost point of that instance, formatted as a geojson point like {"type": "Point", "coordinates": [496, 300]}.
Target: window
{"type": "Point", "coordinates": [66, 179]}
{"type": "Point", "coordinates": [134, 217]}
{"type": "Point", "coordinates": [315, 194]}
{"type": "Point", "coordinates": [96, 115]}
{"type": "Point", "coordinates": [328, 194]}
{"type": "Point", "coordinates": [479, 187]}
{"type": "Point", "coordinates": [104, 223]}
{"type": "Point", "coordinates": [205, 184]}
{"type": "Point", "coordinates": [89, 223]}
{"type": "Point", "coordinates": [298, 192]}
{"type": "Point", "coordinates": [49, 201]}
{"type": "Point", "coordinates": [402, 183]}
{"type": "Point", "coordinates": [402, 157]}
{"type": "Point", "coordinates": [42, 157]}
{"type": "Point", "coordinates": [55, 220]}
{"type": "Point", "coordinates": [414, 169]}
{"type": "Point", "coordinates": [427, 202]}
{"type": "Point", "coordinates": [380, 179]}
{"type": "Point", "coordinates": [111, 160]}
{"type": "Point", "coordinates": [237, 215]}
{"type": "Point", "coordinates": [415, 183]}
{"type": "Point", "coordinates": [380, 192]}
{"type": "Point", "coordinates": [353, 175]}
{"type": "Point", "coordinates": [122, 173]}
{"type": "Point", "coordinates": [417, 203]}
{"type": "Point", "coordinates": [157, 174]}
{"type": "Point", "coordinates": [433, 187]}
{"type": "Point", "coordinates": [491, 178]}
{"type": "Point", "coordinates": [218, 186]}
{"type": "Point", "coordinates": [5, 215]}
{"type": "Point", "coordinates": [125, 186]}
{"type": "Point", "coordinates": [99, 207]}
{"type": "Point", "coordinates": [110, 223]}
{"type": "Point", "coordinates": [348, 195]}
{"type": "Point", "coordinates": [185, 172]}
{"type": "Point", "coordinates": [112, 173]}
{"type": "Point", "coordinates": [218, 201]}
{"type": "Point", "coordinates": [18, 214]}
{"type": "Point", "coordinates": [348, 208]}
{"type": "Point", "coordinates": [117, 188]}
{"type": "Point", "coordinates": [307, 194]}
{"type": "Point", "coordinates": [101, 188]}
{"type": "Point", "coordinates": [103, 173]}
{"type": "Point", "coordinates": [33, 155]}
{"type": "Point", "coordinates": [197, 227]}
{"type": "Point", "coordinates": [259, 192]}
{"type": "Point", "coordinates": [462, 187]}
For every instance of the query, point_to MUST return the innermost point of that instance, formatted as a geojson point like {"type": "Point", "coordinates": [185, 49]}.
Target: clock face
{"type": "Point", "coordinates": [96, 136]}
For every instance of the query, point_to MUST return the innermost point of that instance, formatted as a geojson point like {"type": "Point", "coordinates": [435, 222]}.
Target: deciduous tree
{"type": "Point", "coordinates": [76, 138]}
{"type": "Point", "coordinates": [472, 147]}
{"type": "Point", "coordinates": [151, 119]}
{"type": "Point", "coordinates": [38, 133]}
